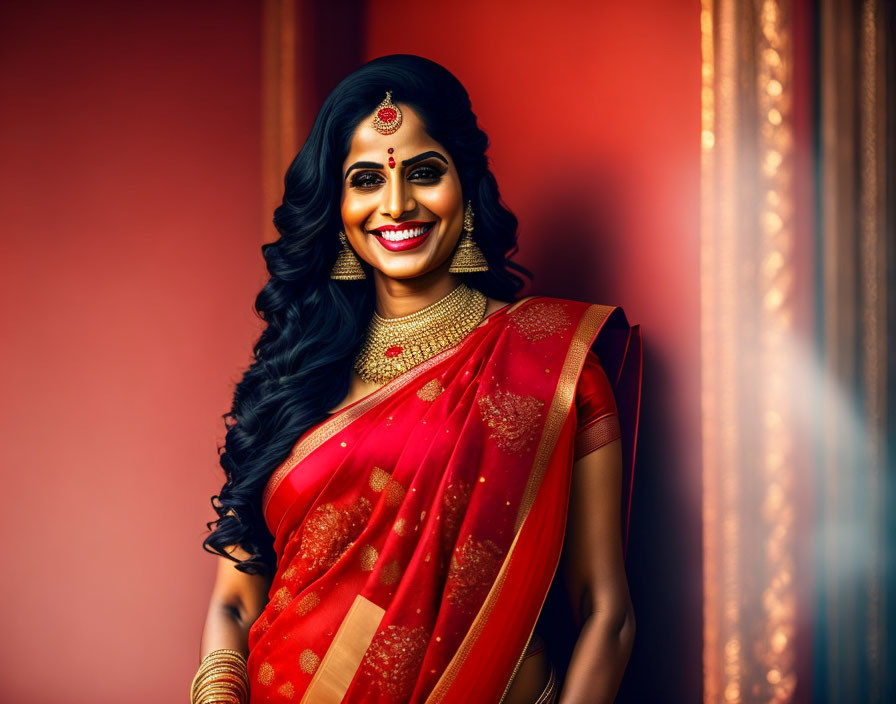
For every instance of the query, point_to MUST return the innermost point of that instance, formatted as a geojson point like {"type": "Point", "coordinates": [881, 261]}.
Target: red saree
{"type": "Point", "coordinates": [418, 529]}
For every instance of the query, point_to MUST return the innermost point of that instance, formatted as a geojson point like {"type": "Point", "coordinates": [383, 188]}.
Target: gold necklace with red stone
{"type": "Point", "coordinates": [392, 346]}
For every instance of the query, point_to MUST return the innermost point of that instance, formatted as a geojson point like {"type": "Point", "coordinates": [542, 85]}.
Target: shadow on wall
{"type": "Point", "coordinates": [581, 241]}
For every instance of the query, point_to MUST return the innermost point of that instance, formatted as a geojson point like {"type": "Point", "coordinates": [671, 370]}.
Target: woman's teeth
{"type": "Point", "coordinates": [399, 235]}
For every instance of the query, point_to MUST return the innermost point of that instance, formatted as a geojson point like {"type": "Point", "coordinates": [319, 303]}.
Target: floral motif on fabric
{"type": "Point", "coordinates": [266, 674]}
{"type": "Point", "coordinates": [281, 598]}
{"type": "Point", "coordinates": [454, 507]}
{"type": "Point", "coordinates": [514, 419]}
{"type": "Point", "coordinates": [368, 557]}
{"type": "Point", "coordinates": [430, 391]}
{"type": "Point", "coordinates": [390, 573]}
{"type": "Point", "coordinates": [306, 603]}
{"type": "Point", "coordinates": [394, 657]}
{"type": "Point", "coordinates": [540, 320]}
{"type": "Point", "coordinates": [394, 493]}
{"type": "Point", "coordinates": [401, 527]}
{"type": "Point", "coordinates": [308, 661]}
{"type": "Point", "coordinates": [474, 566]}
{"type": "Point", "coordinates": [262, 624]}
{"type": "Point", "coordinates": [379, 479]}
{"type": "Point", "coordinates": [286, 690]}
{"type": "Point", "coordinates": [330, 531]}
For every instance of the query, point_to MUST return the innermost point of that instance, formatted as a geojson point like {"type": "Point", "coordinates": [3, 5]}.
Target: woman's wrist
{"type": "Point", "coordinates": [222, 677]}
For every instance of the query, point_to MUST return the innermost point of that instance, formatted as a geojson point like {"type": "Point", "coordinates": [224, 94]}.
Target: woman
{"type": "Point", "coordinates": [401, 454]}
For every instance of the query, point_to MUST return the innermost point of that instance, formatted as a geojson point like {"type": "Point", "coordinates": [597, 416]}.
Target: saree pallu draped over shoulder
{"type": "Point", "coordinates": [417, 531]}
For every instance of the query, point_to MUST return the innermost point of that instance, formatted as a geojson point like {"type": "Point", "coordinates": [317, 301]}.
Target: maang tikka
{"type": "Point", "coordinates": [347, 266]}
{"type": "Point", "coordinates": [388, 117]}
{"type": "Point", "coordinates": [468, 258]}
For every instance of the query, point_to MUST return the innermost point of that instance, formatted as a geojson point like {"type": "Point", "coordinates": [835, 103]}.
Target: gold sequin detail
{"type": "Point", "coordinates": [540, 320]}
{"type": "Point", "coordinates": [281, 599]}
{"type": "Point", "coordinates": [391, 573]}
{"type": "Point", "coordinates": [286, 690]}
{"type": "Point", "coordinates": [401, 527]}
{"type": "Point", "coordinates": [306, 603]}
{"type": "Point", "coordinates": [394, 493]}
{"type": "Point", "coordinates": [430, 391]}
{"type": "Point", "coordinates": [394, 658]}
{"type": "Point", "coordinates": [473, 568]}
{"type": "Point", "coordinates": [290, 572]}
{"type": "Point", "coordinates": [454, 506]}
{"type": "Point", "coordinates": [263, 623]}
{"type": "Point", "coordinates": [308, 661]}
{"type": "Point", "coordinates": [368, 556]}
{"type": "Point", "coordinates": [266, 674]}
{"type": "Point", "coordinates": [379, 479]}
{"type": "Point", "coordinates": [329, 532]}
{"type": "Point", "coordinates": [514, 419]}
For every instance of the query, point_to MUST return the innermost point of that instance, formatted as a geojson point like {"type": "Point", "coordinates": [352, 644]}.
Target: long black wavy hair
{"type": "Point", "coordinates": [302, 361]}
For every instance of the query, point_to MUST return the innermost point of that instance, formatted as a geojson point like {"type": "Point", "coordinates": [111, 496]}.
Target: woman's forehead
{"type": "Point", "coordinates": [409, 139]}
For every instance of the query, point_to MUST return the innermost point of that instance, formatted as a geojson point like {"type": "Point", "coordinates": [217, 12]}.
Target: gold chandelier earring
{"type": "Point", "coordinates": [347, 266]}
{"type": "Point", "coordinates": [468, 258]}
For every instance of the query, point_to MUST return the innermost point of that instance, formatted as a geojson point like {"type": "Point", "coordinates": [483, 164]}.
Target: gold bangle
{"type": "Point", "coordinates": [221, 672]}
{"type": "Point", "coordinates": [231, 680]}
{"type": "Point", "coordinates": [213, 695]}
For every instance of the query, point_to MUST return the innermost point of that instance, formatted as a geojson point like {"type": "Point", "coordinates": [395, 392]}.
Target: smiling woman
{"type": "Point", "coordinates": [416, 456]}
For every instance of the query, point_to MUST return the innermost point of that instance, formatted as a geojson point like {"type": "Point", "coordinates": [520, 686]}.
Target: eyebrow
{"type": "Point", "coordinates": [407, 162]}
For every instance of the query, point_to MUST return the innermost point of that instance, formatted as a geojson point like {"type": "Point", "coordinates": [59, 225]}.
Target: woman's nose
{"type": "Point", "coordinates": [397, 199]}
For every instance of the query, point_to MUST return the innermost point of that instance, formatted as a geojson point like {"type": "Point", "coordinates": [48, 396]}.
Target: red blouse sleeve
{"type": "Point", "coordinates": [598, 422]}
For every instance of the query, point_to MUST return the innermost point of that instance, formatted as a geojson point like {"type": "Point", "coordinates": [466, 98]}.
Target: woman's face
{"type": "Point", "coordinates": [405, 220]}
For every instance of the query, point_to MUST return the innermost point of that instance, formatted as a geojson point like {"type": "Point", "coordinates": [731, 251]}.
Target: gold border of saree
{"type": "Point", "coordinates": [588, 327]}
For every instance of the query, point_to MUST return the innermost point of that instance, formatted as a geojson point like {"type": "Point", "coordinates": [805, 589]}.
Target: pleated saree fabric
{"type": "Point", "coordinates": [417, 530]}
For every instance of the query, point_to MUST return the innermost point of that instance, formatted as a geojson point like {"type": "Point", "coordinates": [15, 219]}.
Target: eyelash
{"type": "Point", "coordinates": [367, 180]}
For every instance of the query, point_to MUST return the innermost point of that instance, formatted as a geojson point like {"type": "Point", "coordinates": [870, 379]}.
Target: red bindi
{"type": "Point", "coordinates": [390, 150]}
{"type": "Point", "coordinates": [391, 162]}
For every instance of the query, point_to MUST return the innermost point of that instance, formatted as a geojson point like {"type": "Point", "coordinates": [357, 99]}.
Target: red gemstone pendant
{"type": "Point", "coordinates": [387, 115]}
{"type": "Point", "coordinates": [394, 351]}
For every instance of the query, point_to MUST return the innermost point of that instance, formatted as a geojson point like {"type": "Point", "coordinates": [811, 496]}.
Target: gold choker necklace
{"type": "Point", "coordinates": [394, 345]}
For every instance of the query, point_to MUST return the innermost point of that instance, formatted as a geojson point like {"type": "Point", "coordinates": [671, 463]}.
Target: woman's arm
{"type": "Point", "coordinates": [237, 600]}
{"type": "Point", "coordinates": [595, 573]}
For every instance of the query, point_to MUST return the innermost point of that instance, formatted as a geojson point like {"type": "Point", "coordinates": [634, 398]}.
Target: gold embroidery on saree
{"type": "Point", "coordinates": [540, 320]}
{"type": "Point", "coordinates": [379, 479]}
{"type": "Point", "coordinates": [308, 661]}
{"type": "Point", "coordinates": [430, 391]}
{"type": "Point", "coordinates": [286, 690]}
{"type": "Point", "coordinates": [390, 573]}
{"type": "Point", "coordinates": [454, 507]}
{"type": "Point", "coordinates": [394, 658]}
{"type": "Point", "coordinates": [290, 573]}
{"type": "Point", "coordinates": [281, 599]}
{"type": "Point", "coordinates": [330, 531]}
{"type": "Point", "coordinates": [472, 571]}
{"type": "Point", "coordinates": [400, 527]}
{"type": "Point", "coordinates": [515, 420]}
{"type": "Point", "coordinates": [368, 557]}
{"type": "Point", "coordinates": [394, 493]}
{"type": "Point", "coordinates": [307, 602]}
{"type": "Point", "coordinates": [266, 674]}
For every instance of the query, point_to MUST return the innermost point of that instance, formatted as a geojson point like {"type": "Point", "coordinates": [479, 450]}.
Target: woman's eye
{"type": "Point", "coordinates": [366, 180]}
{"type": "Point", "coordinates": [425, 173]}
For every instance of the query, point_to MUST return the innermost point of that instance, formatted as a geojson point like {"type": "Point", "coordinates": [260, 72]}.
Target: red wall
{"type": "Point", "coordinates": [130, 209]}
{"type": "Point", "coordinates": [593, 111]}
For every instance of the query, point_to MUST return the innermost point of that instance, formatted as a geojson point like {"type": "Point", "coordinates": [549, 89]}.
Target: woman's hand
{"type": "Point", "coordinates": [595, 574]}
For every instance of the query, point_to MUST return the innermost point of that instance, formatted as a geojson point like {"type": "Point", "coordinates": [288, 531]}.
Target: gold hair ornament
{"type": "Point", "coordinates": [388, 117]}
